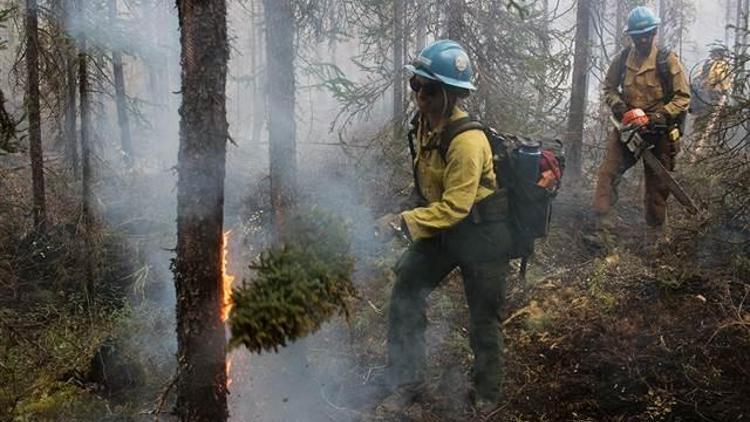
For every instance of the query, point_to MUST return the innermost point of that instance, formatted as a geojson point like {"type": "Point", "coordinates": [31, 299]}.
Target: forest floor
{"type": "Point", "coordinates": [623, 335]}
{"type": "Point", "coordinates": [589, 336]}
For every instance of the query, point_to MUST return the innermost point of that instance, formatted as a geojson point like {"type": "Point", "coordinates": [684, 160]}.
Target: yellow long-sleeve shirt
{"type": "Point", "coordinates": [452, 185]}
{"type": "Point", "coordinates": [641, 85]}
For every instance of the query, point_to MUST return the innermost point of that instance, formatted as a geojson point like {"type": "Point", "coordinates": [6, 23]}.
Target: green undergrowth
{"type": "Point", "coordinates": [66, 355]}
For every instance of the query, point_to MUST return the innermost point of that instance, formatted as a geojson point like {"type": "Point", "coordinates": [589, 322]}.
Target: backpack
{"type": "Point", "coordinates": [529, 170]}
{"type": "Point", "coordinates": [665, 79]}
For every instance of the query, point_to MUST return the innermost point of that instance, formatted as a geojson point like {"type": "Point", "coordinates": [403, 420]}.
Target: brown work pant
{"type": "Point", "coordinates": [617, 160]}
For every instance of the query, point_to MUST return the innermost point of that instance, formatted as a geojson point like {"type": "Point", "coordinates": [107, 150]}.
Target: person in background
{"type": "Point", "coordinates": [652, 79]}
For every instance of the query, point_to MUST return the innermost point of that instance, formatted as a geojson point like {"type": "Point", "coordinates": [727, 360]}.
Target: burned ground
{"type": "Point", "coordinates": [624, 335]}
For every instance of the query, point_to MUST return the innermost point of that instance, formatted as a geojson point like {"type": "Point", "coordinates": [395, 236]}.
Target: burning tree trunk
{"type": "Point", "coordinates": [280, 30]}
{"type": "Point", "coordinates": [579, 91]}
{"type": "Point", "coordinates": [398, 64]}
{"type": "Point", "coordinates": [35, 128]}
{"type": "Point", "coordinates": [120, 97]}
{"type": "Point", "coordinates": [202, 383]}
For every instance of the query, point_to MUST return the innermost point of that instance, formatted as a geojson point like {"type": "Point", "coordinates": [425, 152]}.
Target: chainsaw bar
{"type": "Point", "coordinates": [635, 144]}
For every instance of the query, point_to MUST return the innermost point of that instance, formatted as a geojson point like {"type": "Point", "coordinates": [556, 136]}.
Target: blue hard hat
{"type": "Point", "coordinates": [445, 61]}
{"type": "Point", "coordinates": [642, 20]}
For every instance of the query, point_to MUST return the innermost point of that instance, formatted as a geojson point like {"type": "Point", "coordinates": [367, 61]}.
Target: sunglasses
{"type": "Point", "coordinates": [639, 37]}
{"type": "Point", "coordinates": [429, 88]}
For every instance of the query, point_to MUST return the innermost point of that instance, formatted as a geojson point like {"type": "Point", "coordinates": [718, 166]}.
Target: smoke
{"type": "Point", "coordinates": [319, 378]}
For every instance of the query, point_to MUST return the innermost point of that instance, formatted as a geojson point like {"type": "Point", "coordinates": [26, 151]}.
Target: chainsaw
{"type": "Point", "coordinates": [630, 136]}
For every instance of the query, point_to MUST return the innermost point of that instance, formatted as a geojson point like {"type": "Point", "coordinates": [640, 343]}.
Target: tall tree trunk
{"type": "Point", "coordinates": [280, 30]}
{"type": "Point", "coordinates": [738, 27]}
{"type": "Point", "coordinates": [663, 29]}
{"type": "Point", "coordinates": [120, 95]}
{"type": "Point", "coordinates": [745, 28]}
{"type": "Point", "coordinates": [539, 108]}
{"type": "Point", "coordinates": [71, 125]}
{"type": "Point", "coordinates": [455, 20]}
{"type": "Point", "coordinates": [421, 25]}
{"type": "Point", "coordinates": [35, 120]}
{"type": "Point", "coordinates": [398, 64]}
{"type": "Point", "coordinates": [259, 91]}
{"type": "Point", "coordinates": [620, 14]}
{"type": "Point", "coordinates": [86, 167]}
{"type": "Point", "coordinates": [727, 18]}
{"type": "Point", "coordinates": [579, 90]}
{"type": "Point", "coordinates": [201, 342]}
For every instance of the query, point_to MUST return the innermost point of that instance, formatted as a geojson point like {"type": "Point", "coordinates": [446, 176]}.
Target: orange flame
{"type": "Point", "coordinates": [228, 367]}
{"type": "Point", "coordinates": [226, 294]}
{"type": "Point", "coordinates": [226, 278]}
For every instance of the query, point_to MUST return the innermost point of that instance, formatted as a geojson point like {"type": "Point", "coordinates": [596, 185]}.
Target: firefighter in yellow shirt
{"type": "Point", "coordinates": [719, 78]}
{"type": "Point", "coordinates": [714, 82]}
{"type": "Point", "coordinates": [462, 223]}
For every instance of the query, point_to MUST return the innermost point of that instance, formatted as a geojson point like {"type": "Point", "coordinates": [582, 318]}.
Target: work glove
{"type": "Point", "coordinates": [618, 110]}
{"type": "Point", "coordinates": [390, 225]}
{"type": "Point", "coordinates": [657, 119]}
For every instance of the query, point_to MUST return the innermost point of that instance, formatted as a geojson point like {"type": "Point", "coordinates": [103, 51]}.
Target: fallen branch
{"type": "Point", "coordinates": [163, 396]}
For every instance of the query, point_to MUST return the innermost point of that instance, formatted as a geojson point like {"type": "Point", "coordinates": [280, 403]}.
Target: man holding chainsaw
{"type": "Point", "coordinates": [642, 79]}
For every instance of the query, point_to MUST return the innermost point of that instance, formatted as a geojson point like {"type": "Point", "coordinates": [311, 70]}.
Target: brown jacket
{"type": "Point", "coordinates": [641, 86]}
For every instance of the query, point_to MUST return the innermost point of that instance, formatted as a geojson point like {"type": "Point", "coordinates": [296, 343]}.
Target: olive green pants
{"type": "Point", "coordinates": [481, 252]}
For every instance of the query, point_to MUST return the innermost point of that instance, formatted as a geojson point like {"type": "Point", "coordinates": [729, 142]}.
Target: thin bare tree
{"type": "Point", "coordinates": [39, 210]}
{"type": "Point", "coordinates": [87, 216]}
{"type": "Point", "coordinates": [282, 131]}
{"type": "Point", "coordinates": [579, 89]}
{"type": "Point", "coordinates": [71, 84]}
{"type": "Point", "coordinates": [120, 94]}
{"type": "Point", "coordinates": [398, 64]}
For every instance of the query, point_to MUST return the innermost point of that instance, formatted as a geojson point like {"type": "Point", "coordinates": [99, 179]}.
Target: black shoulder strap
{"type": "Point", "coordinates": [623, 61]}
{"type": "Point", "coordinates": [412, 134]}
{"type": "Point", "coordinates": [454, 129]}
{"type": "Point", "coordinates": [665, 77]}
